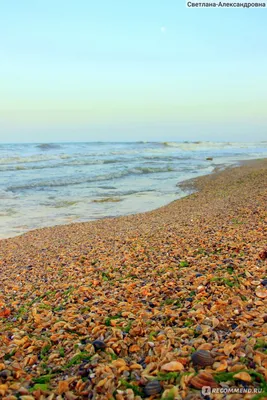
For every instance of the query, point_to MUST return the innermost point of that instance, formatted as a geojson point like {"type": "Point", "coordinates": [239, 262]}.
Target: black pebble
{"type": "Point", "coordinates": [99, 345]}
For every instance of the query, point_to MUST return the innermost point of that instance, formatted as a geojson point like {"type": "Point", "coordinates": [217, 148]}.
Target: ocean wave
{"type": "Point", "coordinates": [206, 145]}
{"type": "Point", "coordinates": [48, 146]}
{"type": "Point", "coordinates": [107, 200]}
{"type": "Point", "coordinates": [32, 159]}
{"type": "Point", "coordinates": [165, 157]}
{"type": "Point", "coordinates": [151, 170]}
{"type": "Point", "coordinates": [64, 182]}
{"type": "Point", "coordinates": [6, 195]}
{"type": "Point", "coordinates": [197, 145]}
{"type": "Point", "coordinates": [8, 212]}
{"type": "Point", "coordinates": [64, 203]}
{"type": "Point", "coordinates": [78, 181]}
{"type": "Point", "coordinates": [10, 167]}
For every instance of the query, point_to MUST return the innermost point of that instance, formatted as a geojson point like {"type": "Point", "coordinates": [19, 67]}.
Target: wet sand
{"type": "Point", "coordinates": [153, 289]}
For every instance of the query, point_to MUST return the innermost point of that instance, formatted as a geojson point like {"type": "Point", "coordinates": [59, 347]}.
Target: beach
{"type": "Point", "coordinates": [61, 183]}
{"type": "Point", "coordinates": [157, 304]}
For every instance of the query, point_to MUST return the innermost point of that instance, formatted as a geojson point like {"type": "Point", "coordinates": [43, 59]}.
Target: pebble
{"type": "Point", "coordinates": [99, 344]}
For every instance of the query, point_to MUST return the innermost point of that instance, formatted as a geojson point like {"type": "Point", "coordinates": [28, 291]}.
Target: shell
{"type": "Point", "coordinates": [172, 366]}
{"type": "Point", "coordinates": [152, 388]}
{"type": "Point", "coordinates": [203, 358]}
{"type": "Point", "coordinates": [261, 292]}
{"type": "Point", "coordinates": [243, 376]}
{"type": "Point", "coordinates": [99, 345]}
{"type": "Point", "coordinates": [203, 379]}
{"type": "Point", "coordinates": [263, 254]}
{"type": "Point", "coordinates": [5, 374]}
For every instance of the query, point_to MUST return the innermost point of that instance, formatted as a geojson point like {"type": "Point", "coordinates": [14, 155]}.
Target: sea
{"type": "Point", "coordinates": [47, 184]}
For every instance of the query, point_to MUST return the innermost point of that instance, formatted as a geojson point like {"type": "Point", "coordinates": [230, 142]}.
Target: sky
{"type": "Point", "coordinates": [119, 70]}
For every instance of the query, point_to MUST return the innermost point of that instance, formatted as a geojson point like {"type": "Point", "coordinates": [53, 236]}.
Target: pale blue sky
{"type": "Point", "coordinates": [106, 70]}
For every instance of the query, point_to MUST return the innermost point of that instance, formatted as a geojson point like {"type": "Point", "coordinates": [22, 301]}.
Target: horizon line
{"type": "Point", "coordinates": [139, 141]}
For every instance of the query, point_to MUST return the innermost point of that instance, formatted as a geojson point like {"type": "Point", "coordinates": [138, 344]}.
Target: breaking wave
{"type": "Point", "coordinates": [32, 159]}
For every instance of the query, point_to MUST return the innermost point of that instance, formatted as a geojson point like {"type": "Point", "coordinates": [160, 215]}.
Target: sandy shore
{"type": "Point", "coordinates": [152, 290]}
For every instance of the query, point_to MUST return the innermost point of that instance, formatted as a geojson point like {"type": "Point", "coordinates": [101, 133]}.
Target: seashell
{"type": "Point", "coordinates": [172, 366]}
{"type": "Point", "coordinates": [203, 379]}
{"type": "Point", "coordinates": [263, 254]}
{"type": "Point", "coordinates": [136, 366]}
{"type": "Point", "coordinates": [222, 366]}
{"type": "Point", "coordinates": [193, 396]}
{"type": "Point", "coordinates": [255, 283]}
{"type": "Point", "coordinates": [228, 348]}
{"type": "Point", "coordinates": [99, 344]}
{"type": "Point", "coordinates": [261, 292]}
{"type": "Point", "coordinates": [205, 346]}
{"type": "Point", "coordinates": [134, 348]}
{"type": "Point", "coordinates": [5, 374]}
{"type": "Point", "coordinates": [202, 358]}
{"type": "Point", "coordinates": [152, 388]}
{"type": "Point", "coordinates": [243, 376]}
{"type": "Point", "coordinates": [236, 367]}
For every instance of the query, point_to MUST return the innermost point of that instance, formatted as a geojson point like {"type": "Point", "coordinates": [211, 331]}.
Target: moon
{"type": "Point", "coordinates": [163, 29]}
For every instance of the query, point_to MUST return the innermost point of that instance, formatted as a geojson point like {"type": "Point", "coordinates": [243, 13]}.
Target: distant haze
{"type": "Point", "coordinates": [131, 70]}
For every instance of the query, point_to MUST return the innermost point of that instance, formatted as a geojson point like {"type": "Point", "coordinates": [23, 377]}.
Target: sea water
{"type": "Point", "coordinates": [58, 183]}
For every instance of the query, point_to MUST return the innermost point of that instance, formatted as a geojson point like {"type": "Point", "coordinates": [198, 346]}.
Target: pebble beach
{"type": "Point", "coordinates": [148, 306]}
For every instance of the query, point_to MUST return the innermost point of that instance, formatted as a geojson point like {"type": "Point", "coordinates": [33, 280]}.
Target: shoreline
{"type": "Point", "coordinates": [190, 185]}
{"type": "Point", "coordinates": [102, 308]}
